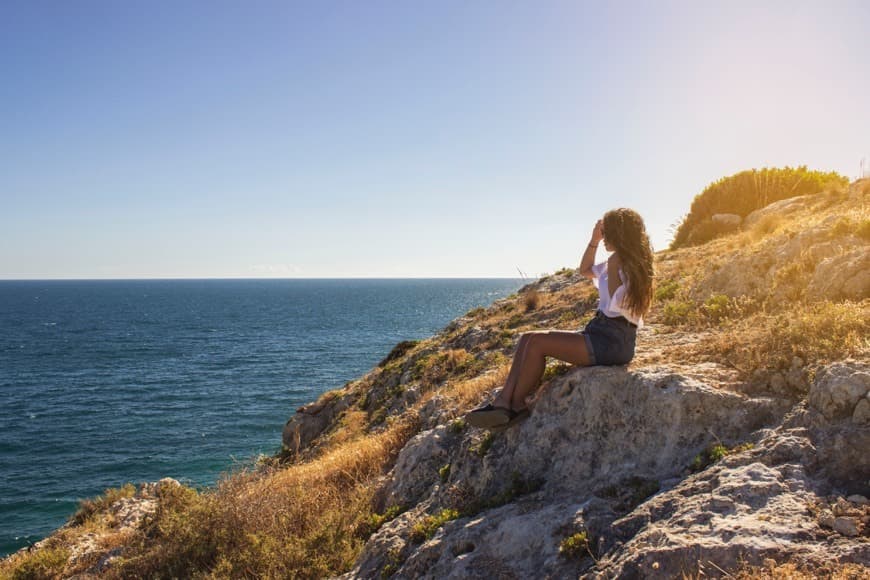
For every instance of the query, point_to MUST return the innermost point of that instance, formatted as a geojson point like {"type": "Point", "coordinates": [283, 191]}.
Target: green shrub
{"type": "Point", "coordinates": [718, 307]}
{"type": "Point", "coordinates": [666, 289]}
{"type": "Point", "coordinates": [425, 529]}
{"type": "Point", "coordinates": [90, 507]}
{"type": "Point", "coordinates": [575, 546]}
{"type": "Point", "coordinates": [555, 370]}
{"type": "Point", "coordinates": [483, 447]}
{"type": "Point", "coordinates": [714, 453]}
{"type": "Point", "coordinates": [744, 192]}
{"type": "Point", "coordinates": [568, 317]}
{"type": "Point", "coordinates": [677, 312]}
{"type": "Point", "coordinates": [377, 520]}
{"type": "Point", "coordinates": [515, 320]}
{"type": "Point", "coordinates": [399, 351]}
{"type": "Point", "coordinates": [44, 563]}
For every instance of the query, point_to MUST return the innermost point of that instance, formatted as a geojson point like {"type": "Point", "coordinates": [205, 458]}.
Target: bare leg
{"type": "Point", "coordinates": [503, 399]}
{"type": "Point", "coordinates": [530, 360]}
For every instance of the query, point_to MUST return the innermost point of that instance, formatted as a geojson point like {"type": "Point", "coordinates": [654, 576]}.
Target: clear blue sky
{"type": "Point", "coordinates": [450, 138]}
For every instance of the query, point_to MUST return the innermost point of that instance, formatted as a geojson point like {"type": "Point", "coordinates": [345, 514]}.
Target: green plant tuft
{"type": "Point", "coordinates": [575, 546]}
{"type": "Point", "coordinates": [425, 529]}
{"type": "Point", "coordinates": [444, 472]}
{"type": "Point", "coordinates": [483, 447]}
{"type": "Point", "coordinates": [666, 289]}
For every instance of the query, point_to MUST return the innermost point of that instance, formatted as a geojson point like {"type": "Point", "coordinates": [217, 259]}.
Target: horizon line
{"type": "Point", "coordinates": [143, 279]}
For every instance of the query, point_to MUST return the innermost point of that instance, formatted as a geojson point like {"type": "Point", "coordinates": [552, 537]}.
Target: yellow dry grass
{"type": "Point", "coordinates": [310, 519]}
{"type": "Point", "coordinates": [469, 392]}
{"type": "Point", "coordinates": [305, 520]}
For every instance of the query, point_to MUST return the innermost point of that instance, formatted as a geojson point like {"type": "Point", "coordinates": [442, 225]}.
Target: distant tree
{"type": "Point", "coordinates": [743, 193]}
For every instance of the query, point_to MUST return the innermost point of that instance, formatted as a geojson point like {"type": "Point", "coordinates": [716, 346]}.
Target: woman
{"type": "Point", "coordinates": [625, 288]}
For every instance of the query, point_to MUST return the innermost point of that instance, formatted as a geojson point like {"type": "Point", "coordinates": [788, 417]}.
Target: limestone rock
{"type": "Point", "coordinates": [675, 532]}
{"type": "Point", "coordinates": [838, 389]}
{"type": "Point", "coordinates": [729, 220]}
{"type": "Point", "coordinates": [590, 428]}
{"type": "Point", "coordinates": [842, 277]}
{"type": "Point", "coordinates": [312, 420]}
{"type": "Point", "coordinates": [594, 437]}
{"type": "Point", "coordinates": [846, 526]}
{"type": "Point", "coordinates": [781, 207]}
{"type": "Point", "coordinates": [417, 467]}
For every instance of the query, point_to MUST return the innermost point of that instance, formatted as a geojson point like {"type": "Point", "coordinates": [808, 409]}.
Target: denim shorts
{"type": "Point", "coordinates": [610, 341]}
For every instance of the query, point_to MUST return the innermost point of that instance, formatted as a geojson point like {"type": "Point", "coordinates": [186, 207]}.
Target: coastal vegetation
{"type": "Point", "coordinates": [745, 192]}
{"type": "Point", "coordinates": [764, 301]}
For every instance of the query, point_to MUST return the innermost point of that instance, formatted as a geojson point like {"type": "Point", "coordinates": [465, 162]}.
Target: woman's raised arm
{"type": "Point", "coordinates": [589, 255]}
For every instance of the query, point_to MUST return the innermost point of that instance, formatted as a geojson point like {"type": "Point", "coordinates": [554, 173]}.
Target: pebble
{"type": "Point", "coordinates": [826, 519]}
{"type": "Point", "coordinates": [846, 526]}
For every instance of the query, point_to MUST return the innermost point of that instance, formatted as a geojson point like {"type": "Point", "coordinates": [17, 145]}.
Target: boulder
{"type": "Point", "coordinates": [520, 493]}
{"type": "Point", "coordinates": [312, 420]}
{"type": "Point", "coordinates": [728, 220]}
{"type": "Point", "coordinates": [838, 389]}
{"type": "Point", "coordinates": [840, 277]}
{"type": "Point", "coordinates": [781, 207]}
{"type": "Point", "coordinates": [417, 467]}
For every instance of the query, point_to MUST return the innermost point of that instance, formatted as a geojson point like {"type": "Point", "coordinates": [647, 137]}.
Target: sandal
{"type": "Point", "coordinates": [515, 417]}
{"type": "Point", "coordinates": [489, 416]}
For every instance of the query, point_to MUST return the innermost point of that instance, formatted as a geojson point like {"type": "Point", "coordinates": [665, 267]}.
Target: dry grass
{"type": "Point", "coordinates": [532, 299]}
{"type": "Point", "coordinates": [817, 333]}
{"type": "Point", "coordinates": [789, 571]}
{"type": "Point", "coordinates": [307, 520]}
{"type": "Point", "coordinates": [45, 563]}
{"type": "Point", "coordinates": [766, 226]}
{"type": "Point", "coordinates": [470, 392]}
{"type": "Point", "coordinates": [310, 519]}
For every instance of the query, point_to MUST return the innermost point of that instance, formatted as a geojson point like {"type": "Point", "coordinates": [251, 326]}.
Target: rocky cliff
{"type": "Point", "coordinates": [736, 444]}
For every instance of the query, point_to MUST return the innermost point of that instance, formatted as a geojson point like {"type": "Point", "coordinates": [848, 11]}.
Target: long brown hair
{"type": "Point", "coordinates": [625, 231]}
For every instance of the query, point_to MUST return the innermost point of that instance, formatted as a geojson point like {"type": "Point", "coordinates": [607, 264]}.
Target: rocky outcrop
{"type": "Point", "coordinates": [841, 391]}
{"type": "Point", "coordinates": [311, 420]}
{"type": "Point", "coordinates": [826, 265]}
{"type": "Point", "coordinates": [125, 515]}
{"type": "Point", "coordinates": [845, 276]}
{"type": "Point", "coordinates": [620, 457]}
{"type": "Point", "coordinates": [729, 221]}
{"type": "Point", "coordinates": [777, 209]}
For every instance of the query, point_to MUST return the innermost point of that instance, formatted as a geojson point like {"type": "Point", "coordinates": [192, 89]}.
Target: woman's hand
{"type": "Point", "coordinates": [598, 232]}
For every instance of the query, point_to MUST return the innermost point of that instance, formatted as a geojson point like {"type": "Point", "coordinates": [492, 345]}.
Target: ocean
{"type": "Point", "coordinates": [108, 382]}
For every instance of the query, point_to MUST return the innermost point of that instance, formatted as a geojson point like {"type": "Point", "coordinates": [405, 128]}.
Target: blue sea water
{"type": "Point", "coordinates": [105, 382]}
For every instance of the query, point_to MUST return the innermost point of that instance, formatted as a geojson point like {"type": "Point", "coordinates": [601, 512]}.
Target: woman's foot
{"type": "Point", "coordinates": [491, 416]}
{"type": "Point", "coordinates": [488, 416]}
{"type": "Point", "coordinates": [517, 417]}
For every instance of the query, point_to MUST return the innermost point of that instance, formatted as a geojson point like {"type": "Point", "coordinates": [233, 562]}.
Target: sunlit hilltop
{"type": "Point", "coordinates": [735, 441]}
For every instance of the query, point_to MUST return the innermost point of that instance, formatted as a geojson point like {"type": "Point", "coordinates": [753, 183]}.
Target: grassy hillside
{"type": "Point", "coordinates": [754, 300]}
{"type": "Point", "coordinates": [745, 192]}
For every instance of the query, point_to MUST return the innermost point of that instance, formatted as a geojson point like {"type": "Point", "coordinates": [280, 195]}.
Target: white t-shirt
{"type": "Point", "coordinates": [612, 306]}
